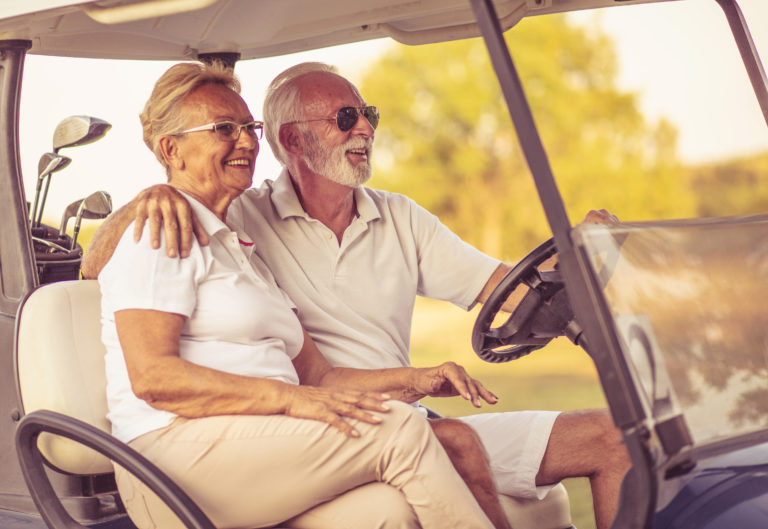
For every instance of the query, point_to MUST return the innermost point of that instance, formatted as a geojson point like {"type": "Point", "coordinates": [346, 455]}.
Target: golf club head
{"type": "Point", "coordinates": [56, 164]}
{"type": "Point", "coordinates": [95, 206]}
{"type": "Point", "coordinates": [69, 212]}
{"type": "Point", "coordinates": [50, 163]}
{"type": "Point", "coordinates": [78, 130]}
{"type": "Point", "coordinates": [45, 160]}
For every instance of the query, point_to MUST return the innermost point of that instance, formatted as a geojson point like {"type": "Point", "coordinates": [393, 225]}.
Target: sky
{"type": "Point", "coordinates": [678, 58]}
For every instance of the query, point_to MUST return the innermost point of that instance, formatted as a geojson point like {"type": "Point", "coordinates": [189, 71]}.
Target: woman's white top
{"type": "Point", "coordinates": [237, 320]}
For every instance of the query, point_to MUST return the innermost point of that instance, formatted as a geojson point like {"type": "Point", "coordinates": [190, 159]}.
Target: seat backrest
{"type": "Point", "coordinates": [60, 359]}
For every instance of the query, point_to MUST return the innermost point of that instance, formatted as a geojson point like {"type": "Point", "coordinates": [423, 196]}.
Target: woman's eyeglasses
{"type": "Point", "coordinates": [346, 117]}
{"type": "Point", "coordinates": [229, 130]}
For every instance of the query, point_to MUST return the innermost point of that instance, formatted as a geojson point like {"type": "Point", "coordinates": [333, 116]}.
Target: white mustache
{"type": "Point", "coordinates": [358, 143]}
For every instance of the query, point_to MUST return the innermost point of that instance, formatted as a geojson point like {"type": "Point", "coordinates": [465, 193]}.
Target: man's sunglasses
{"type": "Point", "coordinates": [229, 130]}
{"type": "Point", "coordinates": [346, 117]}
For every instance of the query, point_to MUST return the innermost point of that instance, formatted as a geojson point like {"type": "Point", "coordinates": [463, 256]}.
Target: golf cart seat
{"type": "Point", "coordinates": [60, 362]}
{"type": "Point", "coordinates": [62, 386]}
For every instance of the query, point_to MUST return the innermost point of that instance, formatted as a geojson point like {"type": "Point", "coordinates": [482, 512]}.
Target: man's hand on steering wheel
{"type": "Point", "coordinates": [593, 216]}
{"type": "Point", "coordinates": [538, 313]}
{"type": "Point", "coordinates": [600, 216]}
{"type": "Point", "coordinates": [450, 380]}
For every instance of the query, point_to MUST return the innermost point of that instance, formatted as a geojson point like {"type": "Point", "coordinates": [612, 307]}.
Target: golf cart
{"type": "Point", "coordinates": [683, 383]}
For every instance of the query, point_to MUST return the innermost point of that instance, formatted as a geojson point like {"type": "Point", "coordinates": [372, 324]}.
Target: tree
{"type": "Point", "coordinates": [447, 141]}
{"type": "Point", "coordinates": [732, 187]}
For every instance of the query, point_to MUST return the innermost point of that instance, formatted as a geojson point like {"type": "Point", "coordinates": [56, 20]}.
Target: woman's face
{"type": "Point", "coordinates": [212, 167]}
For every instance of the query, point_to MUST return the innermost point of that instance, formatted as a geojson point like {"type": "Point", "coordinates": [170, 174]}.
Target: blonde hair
{"type": "Point", "coordinates": [161, 115]}
{"type": "Point", "coordinates": [282, 103]}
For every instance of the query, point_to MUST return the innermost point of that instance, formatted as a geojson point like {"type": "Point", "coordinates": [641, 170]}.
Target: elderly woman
{"type": "Point", "coordinates": [210, 374]}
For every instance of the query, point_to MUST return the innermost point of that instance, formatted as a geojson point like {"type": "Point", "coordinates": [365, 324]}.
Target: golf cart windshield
{"type": "Point", "coordinates": [688, 302]}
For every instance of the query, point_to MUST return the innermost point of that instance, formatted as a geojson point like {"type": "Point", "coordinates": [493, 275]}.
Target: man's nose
{"type": "Point", "coordinates": [362, 126]}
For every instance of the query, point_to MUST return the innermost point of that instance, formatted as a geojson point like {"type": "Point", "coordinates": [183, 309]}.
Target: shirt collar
{"type": "Point", "coordinates": [213, 224]}
{"type": "Point", "coordinates": [287, 203]}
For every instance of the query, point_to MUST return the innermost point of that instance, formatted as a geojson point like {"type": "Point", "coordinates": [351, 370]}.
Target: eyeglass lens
{"type": "Point", "coordinates": [228, 131]}
{"type": "Point", "coordinates": [346, 117]}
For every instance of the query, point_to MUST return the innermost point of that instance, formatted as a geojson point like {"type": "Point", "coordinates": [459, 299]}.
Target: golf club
{"type": "Point", "coordinates": [78, 130]}
{"type": "Point", "coordinates": [69, 213]}
{"type": "Point", "coordinates": [95, 206]}
{"type": "Point", "coordinates": [70, 132]}
{"type": "Point", "coordinates": [48, 164]}
{"type": "Point", "coordinates": [52, 246]}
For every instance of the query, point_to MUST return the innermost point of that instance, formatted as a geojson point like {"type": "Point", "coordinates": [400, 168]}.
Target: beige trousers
{"type": "Point", "coordinates": [261, 471]}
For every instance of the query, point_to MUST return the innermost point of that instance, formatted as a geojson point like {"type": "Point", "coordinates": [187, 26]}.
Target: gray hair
{"type": "Point", "coordinates": [283, 102]}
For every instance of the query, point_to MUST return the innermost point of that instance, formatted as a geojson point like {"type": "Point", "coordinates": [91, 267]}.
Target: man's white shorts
{"type": "Point", "coordinates": [516, 442]}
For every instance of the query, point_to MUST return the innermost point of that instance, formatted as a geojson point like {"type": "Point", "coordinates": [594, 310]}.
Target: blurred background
{"type": "Point", "coordinates": [645, 110]}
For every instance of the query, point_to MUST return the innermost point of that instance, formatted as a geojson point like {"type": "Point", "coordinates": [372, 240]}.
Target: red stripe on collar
{"type": "Point", "coordinates": [241, 241]}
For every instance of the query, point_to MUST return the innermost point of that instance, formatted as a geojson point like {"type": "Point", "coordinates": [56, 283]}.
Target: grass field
{"type": "Point", "coordinates": [558, 377]}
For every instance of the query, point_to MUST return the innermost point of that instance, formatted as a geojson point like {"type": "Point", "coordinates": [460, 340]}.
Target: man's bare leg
{"type": "Point", "coordinates": [466, 451]}
{"type": "Point", "coordinates": [587, 444]}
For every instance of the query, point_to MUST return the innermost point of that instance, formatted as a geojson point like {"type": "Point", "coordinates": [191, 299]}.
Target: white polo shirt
{"type": "Point", "coordinates": [356, 298]}
{"type": "Point", "coordinates": [237, 319]}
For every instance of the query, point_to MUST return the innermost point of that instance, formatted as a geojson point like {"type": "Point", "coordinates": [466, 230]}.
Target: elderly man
{"type": "Point", "coordinates": [353, 260]}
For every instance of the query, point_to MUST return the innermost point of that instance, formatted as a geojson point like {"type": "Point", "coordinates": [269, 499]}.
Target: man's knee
{"type": "Point", "coordinates": [458, 439]}
{"type": "Point", "coordinates": [455, 433]}
{"type": "Point", "coordinates": [605, 436]}
{"type": "Point", "coordinates": [612, 442]}
{"type": "Point", "coordinates": [591, 435]}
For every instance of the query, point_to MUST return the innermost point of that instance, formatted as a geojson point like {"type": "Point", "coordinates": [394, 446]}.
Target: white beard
{"type": "Point", "coordinates": [332, 163]}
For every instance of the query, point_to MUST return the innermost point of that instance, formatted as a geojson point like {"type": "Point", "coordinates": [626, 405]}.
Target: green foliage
{"type": "Point", "coordinates": [733, 187]}
{"type": "Point", "coordinates": [447, 141]}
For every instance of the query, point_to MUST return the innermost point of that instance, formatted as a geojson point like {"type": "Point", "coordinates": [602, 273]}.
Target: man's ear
{"type": "Point", "coordinates": [169, 148]}
{"type": "Point", "coordinates": [290, 138]}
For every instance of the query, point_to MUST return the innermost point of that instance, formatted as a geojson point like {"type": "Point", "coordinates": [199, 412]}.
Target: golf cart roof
{"type": "Point", "coordinates": [183, 29]}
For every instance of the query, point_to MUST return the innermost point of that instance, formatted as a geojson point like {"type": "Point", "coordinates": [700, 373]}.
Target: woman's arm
{"type": "Point", "coordinates": [159, 376]}
{"type": "Point", "coordinates": [408, 384]}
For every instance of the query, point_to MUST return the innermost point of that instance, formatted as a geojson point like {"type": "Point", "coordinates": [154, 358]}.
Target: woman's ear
{"type": "Point", "coordinates": [291, 139]}
{"type": "Point", "coordinates": [169, 148]}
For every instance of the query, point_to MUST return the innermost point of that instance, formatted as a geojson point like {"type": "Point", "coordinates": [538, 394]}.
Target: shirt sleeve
{"type": "Point", "coordinates": [449, 268]}
{"type": "Point", "coordinates": [140, 277]}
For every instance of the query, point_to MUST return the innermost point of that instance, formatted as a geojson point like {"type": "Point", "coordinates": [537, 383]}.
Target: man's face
{"type": "Point", "coordinates": [333, 162]}
{"type": "Point", "coordinates": [343, 157]}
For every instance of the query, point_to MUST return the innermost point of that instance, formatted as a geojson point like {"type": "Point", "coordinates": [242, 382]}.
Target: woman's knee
{"type": "Point", "coordinates": [403, 418]}
{"type": "Point", "coordinates": [370, 506]}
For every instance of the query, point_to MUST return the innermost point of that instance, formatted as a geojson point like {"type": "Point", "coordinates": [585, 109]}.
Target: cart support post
{"type": "Point", "coordinates": [748, 52]}
{"type": "Point", "coordinates": [589, 307]}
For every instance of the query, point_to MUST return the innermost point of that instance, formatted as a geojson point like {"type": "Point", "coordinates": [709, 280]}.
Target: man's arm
{"type": "Point", "coordinates": [600, 216]}
{"type": "Point", "coordinates": [104, 242]}
{"type": "Point", "coordinates": [163, 206]}
{"type": "Point", "coordinates": [407, 384]}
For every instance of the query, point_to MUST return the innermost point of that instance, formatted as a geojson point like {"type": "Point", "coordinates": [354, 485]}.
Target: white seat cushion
{"type": "Point", "coordinates": [60, 361]}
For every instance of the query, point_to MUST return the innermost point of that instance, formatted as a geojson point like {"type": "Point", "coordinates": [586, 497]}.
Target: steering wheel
{"type": "Point", "coordinates": [544, 312]}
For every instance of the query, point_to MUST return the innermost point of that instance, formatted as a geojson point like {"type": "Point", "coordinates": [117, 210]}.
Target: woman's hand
{"type": "Point", "coordinates": [449, 380]}
{"type": "Point", "coordinates": [166, 208]}
{"type": "Point", "coordinates": [333, 405]}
